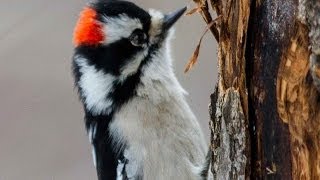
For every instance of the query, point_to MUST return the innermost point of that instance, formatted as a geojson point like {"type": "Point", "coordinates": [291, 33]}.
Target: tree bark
{"type": "Point", "coordinates": [265, 112]}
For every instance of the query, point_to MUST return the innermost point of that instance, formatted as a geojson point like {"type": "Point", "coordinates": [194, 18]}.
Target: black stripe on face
{"type": "Point", "coordinates": [109, 58]}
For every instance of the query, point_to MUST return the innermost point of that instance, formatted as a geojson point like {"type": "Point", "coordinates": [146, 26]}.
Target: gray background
{"type": "Point", "coordinates": [42, 135]}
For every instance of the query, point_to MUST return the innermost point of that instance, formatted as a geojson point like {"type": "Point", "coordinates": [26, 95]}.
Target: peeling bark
{"type": "Point", "coordinates": [265, 112]}
{"type": "Point", "coordinates": [229, 125]}
{"type": "Point", "coordinates": [298, 106]}
{"type": "Point", "coordinates": [271, 26]}
{"type": "Point", "coordinates": [229, 136]}
{"type": "Point", "coordinates": [298, 98]}
{"type": "Point", "coordinates": [284, 103]}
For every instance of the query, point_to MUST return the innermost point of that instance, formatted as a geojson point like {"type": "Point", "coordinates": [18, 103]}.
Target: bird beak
{"type": "Point", "coordinates": [172, 18]}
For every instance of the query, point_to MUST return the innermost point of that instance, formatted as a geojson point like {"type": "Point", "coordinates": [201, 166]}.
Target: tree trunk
{"type": "Point", "coordinates": [265, 112]}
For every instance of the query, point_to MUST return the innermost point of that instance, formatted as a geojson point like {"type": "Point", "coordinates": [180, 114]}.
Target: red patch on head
{"type": "Point", "coordinates": [88, 30]}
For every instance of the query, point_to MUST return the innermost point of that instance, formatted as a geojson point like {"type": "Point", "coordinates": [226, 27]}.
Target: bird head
{"type": "Point", "coordinates": [114, 41]}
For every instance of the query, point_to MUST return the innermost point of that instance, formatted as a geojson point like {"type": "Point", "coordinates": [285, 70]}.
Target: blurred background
{"type": "Point", "coordinates": [42, 135]}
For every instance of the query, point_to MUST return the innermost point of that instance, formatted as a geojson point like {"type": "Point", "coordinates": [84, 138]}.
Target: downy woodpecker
{"type": "Point", "coordinates": [138, 121]}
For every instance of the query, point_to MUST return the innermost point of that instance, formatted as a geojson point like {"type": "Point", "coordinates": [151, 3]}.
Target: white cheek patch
{"type": "Point", "coordinates": [120, 27]}
{"type": "Point", "coordinates": [95, 86]}
{"type": "Point", "coordinates": [156, 24]}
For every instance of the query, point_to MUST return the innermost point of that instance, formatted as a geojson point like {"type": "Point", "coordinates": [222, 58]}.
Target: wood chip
{"type": "Point", "coordinates": [194, 10]}
{"type": "Point", "coordinates": [194, 58]}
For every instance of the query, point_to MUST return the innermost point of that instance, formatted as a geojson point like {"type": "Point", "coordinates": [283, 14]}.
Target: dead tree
{"type": "Point", "coordinates": [265, 112]}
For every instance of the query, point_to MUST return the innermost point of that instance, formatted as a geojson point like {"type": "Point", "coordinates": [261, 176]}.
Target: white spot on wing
{"type": "Point", "coordinates": [119, 170]}
{"type": "Point", "coordinates": [92, 132]}
{"type": "Point", "coordinates": [95, 86]}
{"type": "Point", "coordinates": [94, 158]}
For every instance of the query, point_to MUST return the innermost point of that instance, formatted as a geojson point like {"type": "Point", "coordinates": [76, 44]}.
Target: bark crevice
{"type": "Point", "coordinates": [265, 111]}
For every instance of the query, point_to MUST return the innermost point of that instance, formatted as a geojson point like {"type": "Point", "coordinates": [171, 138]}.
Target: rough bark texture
{"type": "Point", "coordinates": [229, 136]}
{"type": "Point", "coordinates": [297, 97]}
{"type": "Point", "coordinates": [271, 26]}
{"type": "Point", "coordinates": [284, 103]}
{"type": "Point", "coordinates": [229, 106]}
{"type": "Point", "coordinates": [298, 106]}
{"type": "Point", "coordinates": [270, 49]}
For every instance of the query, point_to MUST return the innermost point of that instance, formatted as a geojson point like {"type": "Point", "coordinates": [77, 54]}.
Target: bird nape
{"type": "Point", "coordinates": [138, 121]}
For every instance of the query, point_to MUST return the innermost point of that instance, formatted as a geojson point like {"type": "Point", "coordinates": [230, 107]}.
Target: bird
{"type": "Point", "coordinates": [137, 118]}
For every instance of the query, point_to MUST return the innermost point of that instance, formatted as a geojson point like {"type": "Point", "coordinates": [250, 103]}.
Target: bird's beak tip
{"type": "Point", "coordinates": [171, 18]}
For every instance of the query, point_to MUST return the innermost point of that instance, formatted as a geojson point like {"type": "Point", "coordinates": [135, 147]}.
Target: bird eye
{"type": "Point", "coordinates": [138, 38]}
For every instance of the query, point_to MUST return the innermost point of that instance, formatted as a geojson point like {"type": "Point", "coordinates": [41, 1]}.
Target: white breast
{"type": "Point", "coordinates": [165, 139]}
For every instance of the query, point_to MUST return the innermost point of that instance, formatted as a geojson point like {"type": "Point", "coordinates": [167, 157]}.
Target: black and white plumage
{"type": "Point", "coordinates": [136, 115]}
